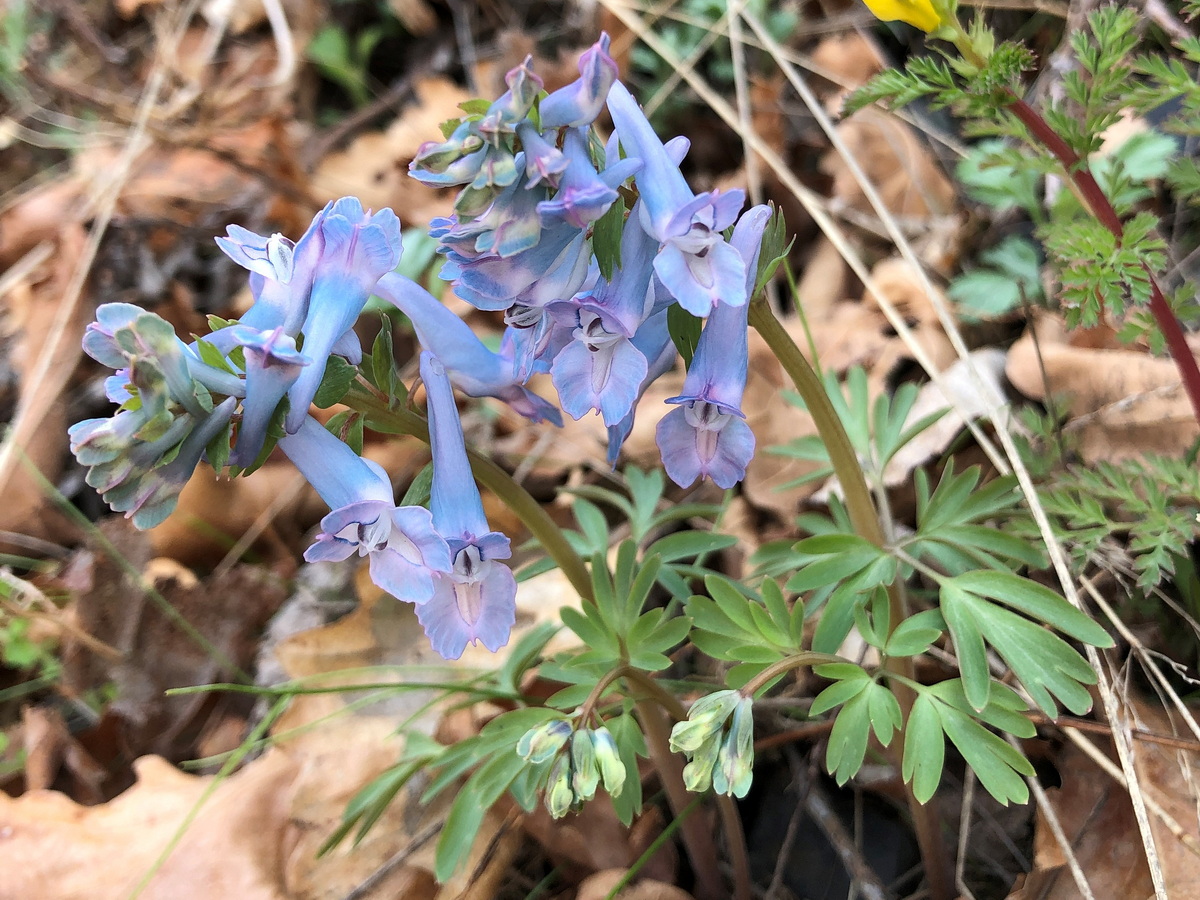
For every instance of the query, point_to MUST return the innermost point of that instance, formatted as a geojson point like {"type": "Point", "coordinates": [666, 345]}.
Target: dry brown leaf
{"type": "Point", "coordinates": [1098, 819]}
{"type": "Point", "coordinates": [417, 16]}
{"type": "Point", "coordinates": [228, 609]}
{"type": "Point", "coordinates": [909, 180]}
{"type": "Point", "coordinates": [594, 839]}
{"type": "Point", "coordinates": [600, 885]}
{"type": "Point", "coordinates": [969, 398]}
{"type": "Point", "coordinates": [182, 184]}
{"type": "Point", "coordinates": [55, 849]}
{"type": "Point", "coordinates": [774, 421]}
{"type": "Point", "coordinates": [50, 747]}
{"type": "Point", "coordinates": [1121, 404]}
{"type": "Point", "coordinates": [40, 325]}
{"type": "Point", "coordinates": [850, 59]}
{"type": "Point", "coordinates": [39, 215]}
{"type": "Point", "coordinates": [824, 281]}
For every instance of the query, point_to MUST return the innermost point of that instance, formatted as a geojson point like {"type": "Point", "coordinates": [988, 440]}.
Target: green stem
{"type": "Point", "coordinates": [841, 452]}
{"type": "Point", "coordinates": [866, 524]}
{"type": "Point", "coordinates": [787, 664]}
{"type": "Point", "coordinates": [388, 420]}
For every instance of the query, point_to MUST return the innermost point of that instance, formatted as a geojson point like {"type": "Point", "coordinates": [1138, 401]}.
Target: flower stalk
{"type": "Point", "coordinates": [865, 520]}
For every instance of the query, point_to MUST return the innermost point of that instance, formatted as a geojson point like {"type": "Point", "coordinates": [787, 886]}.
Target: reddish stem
{"type": "Point", "coordinates": [1085, 182]}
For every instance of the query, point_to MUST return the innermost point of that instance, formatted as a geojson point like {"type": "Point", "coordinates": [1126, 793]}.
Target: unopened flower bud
{"type": "Point", "coordinates": [540, 744]}
{"type": "Point", "coordinates": [697, 774]}
{"type": "Point", "coordinates": [735, 760]}
{"type": "Point", "coordinates": [559, 796]}
{"type": "Point", "coordinates": [608, 758]}
{"type": "Point", "coordinates": [585, 777]}
{"type": "Point", "coordinates": [706, 718]}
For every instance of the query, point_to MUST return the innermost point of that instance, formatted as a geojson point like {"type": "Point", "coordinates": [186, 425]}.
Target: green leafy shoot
{"type": "Point", "coordinates": [750, 630]}
{"type": "Point", "coordinates": [877, 429]}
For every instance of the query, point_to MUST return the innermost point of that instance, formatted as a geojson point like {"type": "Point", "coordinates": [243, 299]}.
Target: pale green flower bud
{"type": "Point", "coordinates": [586, 777]}
{"type": "Point", "coordinates": [697, 774]}
{"type": "Point", "coordinates": [559, 796]}
{"type": "Point", "coordinates": [735, 761]}
{"type": "Point", "coordinates": [608, 758]}
{"type": "Point", "coordinates": [706, 718]}
{"type": "Point", "coordinates": [540, 744]}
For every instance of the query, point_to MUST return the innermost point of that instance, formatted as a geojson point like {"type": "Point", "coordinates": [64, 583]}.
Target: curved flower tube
{"type": "Point", "coordinates": [476, 601]}
{"type": "Point", "coordinates": [402, 546]}
{"type": "Point", "coordinates": [472, 367]}
{"type": "Point", "coordinates": [358, 247]}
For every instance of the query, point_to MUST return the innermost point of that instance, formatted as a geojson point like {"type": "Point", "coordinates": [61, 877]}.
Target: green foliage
{"type": "Point", "coordinates": [942, 709]}
{"type": "Point", "coordinates": [1141, 512]}
{"type": "Point", "coordinates": [752, 632]}
{"type": "Point", "coordinates": [606, 238]}
{"type": "Point", "coordinates": [1008, 277]}
{"type": "Point", "coordinates": [344, 60]}
{"type": "Point", "coordinates": [876, 430]}
{"type": "Point", "coordinates": [691, 28]}
{"type": "Point", "coordinates": [684, 329]}
{"type": "Point", "coordinates": [1104, 277]}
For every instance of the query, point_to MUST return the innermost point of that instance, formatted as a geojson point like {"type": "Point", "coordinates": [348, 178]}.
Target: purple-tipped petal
{"type": "Point", "coordinates": [698, 441]}
{"type": "Point", "coordinates": [401, 544]}
{"type": "Point", "coordinates": [481, 610]}
{"type": "Point", "coordinates": [603, 376]}
{"type": "Point", "coordinates": [579, 103]}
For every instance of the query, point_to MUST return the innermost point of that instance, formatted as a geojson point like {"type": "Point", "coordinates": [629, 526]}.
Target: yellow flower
{"type": "Point", "coordinates": [920, 13]}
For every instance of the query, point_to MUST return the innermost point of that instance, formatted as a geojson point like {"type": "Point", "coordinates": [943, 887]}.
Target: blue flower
{"type": "Point", "coordinates": [357, 247]}
{"type": "Point", "coordinates": [472, 367]}
{"type": "Point", "coordinates": [707, 436]}
{"type": "Point", "coordinates": [579, 103]}
{"type": "Point", "coordinates": [476, 601]}
{"type": "Point", "coordinates": [601, 369]}
{"type": "Point", "coordinates": [272, 365]}
{"type": "Point", "coordinates": [404, 550]}
{"type": "Point", "coordinates": [695, 264]}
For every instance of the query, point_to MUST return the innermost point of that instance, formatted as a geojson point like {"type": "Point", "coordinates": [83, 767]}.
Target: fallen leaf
{"type": "Point", "coordinates": [1120, 404]}
{"type": "Point", "coordinates": [228, 611]}
{"type": "Point", "coordinates": [45, 322]}
{"type": "Point", "coordinates": [1097, 818]}
{"type": "Point", "coordinates": [600, 886]}
{"type": "Point", "coordinates": [909, 180]}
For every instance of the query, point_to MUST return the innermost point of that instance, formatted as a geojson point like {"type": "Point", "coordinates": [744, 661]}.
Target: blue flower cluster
{"type": "Point", "coordinates": [534, 181]}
